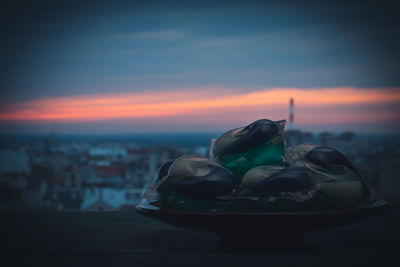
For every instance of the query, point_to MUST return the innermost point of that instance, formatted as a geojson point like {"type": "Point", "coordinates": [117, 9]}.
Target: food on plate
{"type": "Point", "coordinates": [250, 168]}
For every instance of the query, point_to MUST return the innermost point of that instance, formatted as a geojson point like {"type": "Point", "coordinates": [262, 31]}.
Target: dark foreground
{"type": "Point", "coordinates": [129, 239]}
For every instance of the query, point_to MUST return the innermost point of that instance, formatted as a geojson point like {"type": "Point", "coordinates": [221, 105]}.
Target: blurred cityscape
{"type": "Point", "coordinates": [99, 173]}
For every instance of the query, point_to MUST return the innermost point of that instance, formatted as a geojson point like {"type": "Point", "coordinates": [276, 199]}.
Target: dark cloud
{"type": "Point", "coordinates": [52, 48]}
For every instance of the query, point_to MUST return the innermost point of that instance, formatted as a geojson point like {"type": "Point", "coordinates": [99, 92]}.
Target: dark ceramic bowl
{"type": "Point", "coordinates": [253, 225]}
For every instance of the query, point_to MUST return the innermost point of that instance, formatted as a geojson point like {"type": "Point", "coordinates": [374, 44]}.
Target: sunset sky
{"type": "Point", "coordinates": [173, 66]}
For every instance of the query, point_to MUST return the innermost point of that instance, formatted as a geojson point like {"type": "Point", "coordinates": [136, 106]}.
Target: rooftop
{"type": "Point", "coordinates": [128, 239]}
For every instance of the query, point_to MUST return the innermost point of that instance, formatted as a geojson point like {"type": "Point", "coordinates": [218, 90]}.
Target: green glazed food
{"type": "Point", "coordinates": [260, 143]}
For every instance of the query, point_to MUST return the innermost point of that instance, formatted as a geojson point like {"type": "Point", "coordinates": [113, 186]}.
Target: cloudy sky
{"type": "Point", "coordinates": [172, 66]}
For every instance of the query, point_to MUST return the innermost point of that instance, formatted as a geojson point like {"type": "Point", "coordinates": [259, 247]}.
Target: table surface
{"type": "Point", "coordinates": [125, 238]}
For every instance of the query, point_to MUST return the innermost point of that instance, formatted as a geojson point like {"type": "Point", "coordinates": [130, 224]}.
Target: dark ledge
{"type": "Point", "coordinates": [129, 239]}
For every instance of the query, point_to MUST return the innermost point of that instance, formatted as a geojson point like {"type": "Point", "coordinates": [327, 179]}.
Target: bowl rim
{"type": "Point", "coordinates": [148, 208]}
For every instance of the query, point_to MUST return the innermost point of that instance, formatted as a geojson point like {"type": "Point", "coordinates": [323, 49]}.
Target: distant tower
{"type": "Point", "coordinates": [291, 116]}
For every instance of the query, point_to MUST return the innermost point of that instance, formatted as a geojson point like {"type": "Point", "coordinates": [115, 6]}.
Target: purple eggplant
{"type": "Point", "coordinates": [257, 133]}
{"type": "Point", "coordinates": [327, 157]}
{"type": "Point", "coordinates": [290, 179]}
{"type": "Point", "coordinates": [217, 182]}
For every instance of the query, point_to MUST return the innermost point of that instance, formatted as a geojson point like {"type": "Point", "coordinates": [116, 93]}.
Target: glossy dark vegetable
{"type": "Point", "coordinates": [327, 157]}
{"type": "Point", "coordinates": [208, 187]}
{"type": "Point", "coordinates": [257, 133]}
{"type": "Point", "coordinates": [287, 180]}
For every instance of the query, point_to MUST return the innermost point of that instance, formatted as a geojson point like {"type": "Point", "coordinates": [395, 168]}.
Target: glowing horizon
{"type": "Point", "coordinates": [213, 105]}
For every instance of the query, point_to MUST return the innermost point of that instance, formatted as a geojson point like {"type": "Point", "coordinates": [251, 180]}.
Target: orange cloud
{"type": "Point", "coordinates": [205, 101]}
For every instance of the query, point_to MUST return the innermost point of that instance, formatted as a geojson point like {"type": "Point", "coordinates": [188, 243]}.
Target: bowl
{"type": "Point", "coordinates": [261, 225]}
